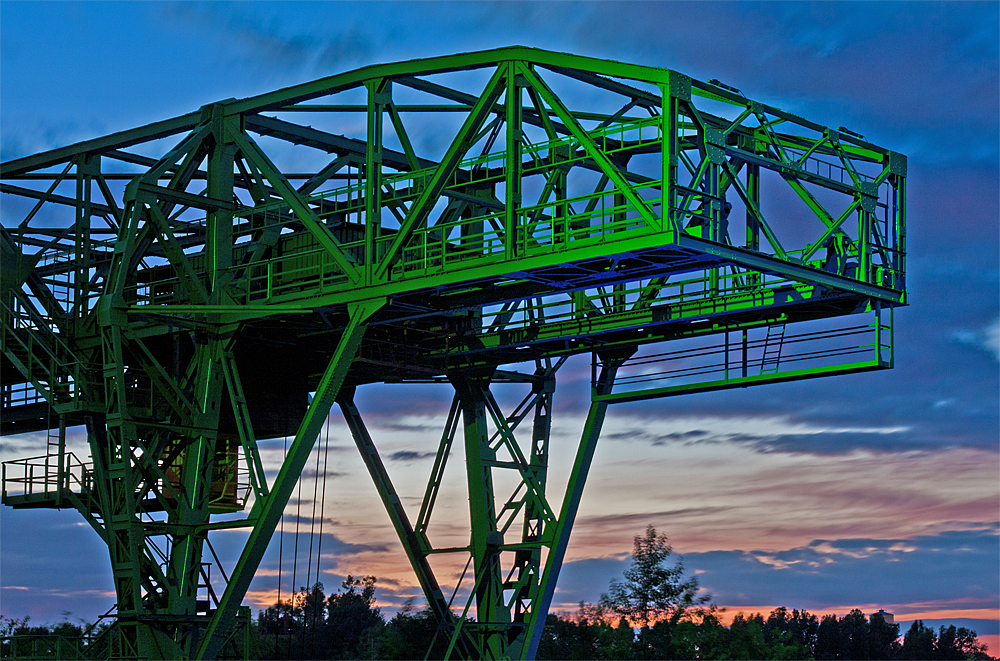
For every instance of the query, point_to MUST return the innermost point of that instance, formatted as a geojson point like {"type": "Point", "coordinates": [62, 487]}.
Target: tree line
{"type": "Point", "coordinates": [655, 612]}
{"type": "Point", "coordinates": [783, 634]}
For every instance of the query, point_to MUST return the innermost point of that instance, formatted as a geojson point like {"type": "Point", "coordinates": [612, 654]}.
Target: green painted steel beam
{"type": "Point", "coordinates": [603, 162]}
{"type": "Point", "coordinates": [432, 189]}
{"type": "Point", "coordinates": [414, 542]}
{"type": "Point", "coordinates": [269, 513]}
{"type": "Point", "coordinates": [445, 64]}
{"type": "Point", "coordinates": [560, 532]}
{"type": "Point", "coordinates": [743, 382]}
{"type": "Point", "coordinates": [115, 141]}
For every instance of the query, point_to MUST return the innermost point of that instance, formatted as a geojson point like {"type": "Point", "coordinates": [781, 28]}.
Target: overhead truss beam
{"type": "Point", "coordinates": [464, 215]}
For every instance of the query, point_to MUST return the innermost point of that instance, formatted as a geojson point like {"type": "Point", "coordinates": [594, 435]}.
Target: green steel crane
{"type": "Point", "coordinates": [191, 287]}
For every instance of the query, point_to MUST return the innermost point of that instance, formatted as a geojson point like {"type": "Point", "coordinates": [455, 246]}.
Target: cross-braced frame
{"type": "Point", "coordinates": [190, 287]}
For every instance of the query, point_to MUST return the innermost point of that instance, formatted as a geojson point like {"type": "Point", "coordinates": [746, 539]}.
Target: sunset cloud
{"type": "Point", "coordinates": [913, 578]}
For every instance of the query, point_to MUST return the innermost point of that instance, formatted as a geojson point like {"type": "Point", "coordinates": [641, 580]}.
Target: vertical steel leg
{"type": "Point", "coordinates": [492, 617]}
{"type": "Point", "coordinates": [559, 536]}
{"type": "Point", "coordinates": [284, 483]}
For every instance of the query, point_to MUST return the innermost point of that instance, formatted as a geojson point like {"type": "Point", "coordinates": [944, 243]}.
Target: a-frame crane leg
{"type": "Point", "coordinates": [267, 512]}
{"type": "Point", "coordinates": [415, 544]}
{"type": "Point", "coordinates": [516, 542]}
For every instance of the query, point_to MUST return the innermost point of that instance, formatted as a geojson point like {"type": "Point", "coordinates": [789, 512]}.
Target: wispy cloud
{"type": "Point", "coordinates": [987, 338]}
{"type": "Point", "coordinates": [410, 455]}
{"type": "Point", "coordinates": [764, 434]}
{"type": "Point", "coordinates": [823, 575]}
{"type": "Point", "coordinates": [831, 59]}
{"type": "Point", "coordinates": [25, 136]}
{"type": "Point", "coordinates": [266, 42]}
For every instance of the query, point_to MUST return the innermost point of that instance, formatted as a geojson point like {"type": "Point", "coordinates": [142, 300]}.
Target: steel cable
{"type": "Point", "coordinates": [322, 505]}
{"type": "Point", "coordinates": [295, 558]}
{"type": "Point", "coordinates": [281, 544]}
{"type": "Point", "coordinates": [312, 531]}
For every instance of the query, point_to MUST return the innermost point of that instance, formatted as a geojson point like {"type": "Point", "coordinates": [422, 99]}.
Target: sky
{"type": "Point", "coordinates": [878, 490]}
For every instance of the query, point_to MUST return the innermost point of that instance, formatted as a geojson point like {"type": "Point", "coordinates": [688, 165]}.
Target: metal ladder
{"type": "Point", "coordinates": [771, 356]}
{"type": "Point", "coordinates": [55, 454]}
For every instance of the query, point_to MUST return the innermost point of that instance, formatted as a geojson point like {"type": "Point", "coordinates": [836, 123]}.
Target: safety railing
{"type": "Point", "coordinates": [43, 646]}
{"type": "Point", "coordinates": [478, 234]}
{"type": "Point", "coordinates": [30, 338]}
{"type": "Point", "coordinates": [44, 474]}
{"type": "Point", "coordinates": [98, 641]}
{"type": "Point", "coordinates": [724, 288]}
{"type": "Point", "coordinates": [756, 355]}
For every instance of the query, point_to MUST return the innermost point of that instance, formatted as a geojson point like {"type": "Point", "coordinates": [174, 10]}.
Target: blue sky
{"type": "Point", "coordinates": [821, 495]}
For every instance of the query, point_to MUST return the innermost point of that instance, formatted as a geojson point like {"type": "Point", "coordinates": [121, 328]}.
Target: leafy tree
{"type": "Point", "coordinates": [311, 625]}
{"type": "Point", "coordinates": [828, 640]}
{"type": "Point", "coordinates": [946, 646]}
{"type": "Point", "coordinates": [276, 627]}
{"type": "Point", "coordinates": [660, 639]}
{"type": "Point", "coordinates": [712, 637]}
{"type": "Point", "coordinates": [353, 622]}
{"type": "Point", "coordinates": [616, 642]}
{"type": "Point", "coordinates": [701, 636]}
{"type": "Point", "coordinates": [590, 635]}
{"type": "Point", "coordinates": [562, 639]}
{"type": "Point", "coordinates": [746, 638]}
{"type": "Point", "coordinates": [919, 642]}
{"type": "Point", "coordinates": [410, 634]}
{"type": "Point", "coordinates": [10, 626]}
{"type": "Point", "coordinates": [883, 638]}
{"type": "Point", "coordinates": [684, 640]}
{"type": "Point", "coordinates": [795, 633]}
{"type": "Point", "coordinates": [960, 643]}
{"type": "Point", "coordinates": [855, 635]}
{"type": "Point", "coordinates": [783, 635]}
{"type": "Point", "coordinates": [652, 590]}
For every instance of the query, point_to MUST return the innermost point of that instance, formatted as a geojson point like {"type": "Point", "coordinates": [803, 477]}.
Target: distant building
{"type": "Point", "coordinates": [888, 617]}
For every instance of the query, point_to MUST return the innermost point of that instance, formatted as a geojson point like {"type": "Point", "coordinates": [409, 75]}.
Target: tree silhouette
{"type": "Point", "coordinates": [352, 620]}
{"type": "Point", "coordinates": [653, 591]}
{"type": "Point", "coordinates": [882, 638]}
{"type": "Point", "coordinates": [919, 642]}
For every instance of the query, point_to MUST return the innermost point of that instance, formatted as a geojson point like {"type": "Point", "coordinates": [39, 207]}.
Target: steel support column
{"type": "Point", "coordinates": [414, 543]}
{"type": "Point", "coordinates": [559, 536]}
{"type": "Point", "coordinates": [512, 580]}
{"type": "Point", "coordinates": [267, 513]}
{"type": "Point", "coordinates": [492, 617]}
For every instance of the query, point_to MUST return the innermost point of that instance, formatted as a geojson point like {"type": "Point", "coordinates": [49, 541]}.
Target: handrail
{"type": "Point", "coordinates": [50, 474]}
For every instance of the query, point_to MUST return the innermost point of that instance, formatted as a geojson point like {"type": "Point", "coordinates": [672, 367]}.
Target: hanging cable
{"type": "Point", "coordinates": [281, 544]}
{"type": "Point", "coordinates": [295, 556]}
{"type": "Point", "coordinates": [312, 531]}
{"type": "Point", "coordinates": [322, 513]}
{"type": "Point", "coordinates": [322, 500]}
{"type": "Point", "coordinates": [312, 521]}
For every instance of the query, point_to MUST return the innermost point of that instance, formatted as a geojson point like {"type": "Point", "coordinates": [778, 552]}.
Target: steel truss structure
{"type": "Point", "coordinates": [190, 287]}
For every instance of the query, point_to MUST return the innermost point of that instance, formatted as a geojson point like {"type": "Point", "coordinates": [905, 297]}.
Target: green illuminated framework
{"type": "Point", "coordinates": [190, 287]}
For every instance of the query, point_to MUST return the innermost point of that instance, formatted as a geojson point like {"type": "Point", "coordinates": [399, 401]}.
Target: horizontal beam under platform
{"type": "Point", "coordinates": [742, 382]}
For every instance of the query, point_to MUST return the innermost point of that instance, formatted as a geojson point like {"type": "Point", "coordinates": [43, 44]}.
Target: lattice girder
{"type": "Point", "coordinates": [180, 287]}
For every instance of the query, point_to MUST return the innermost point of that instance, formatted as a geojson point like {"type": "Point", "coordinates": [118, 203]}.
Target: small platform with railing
{"type": "Point", "coordinates": [769, 354]}
{"type": "Point", "coordinates": [49, 480]}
